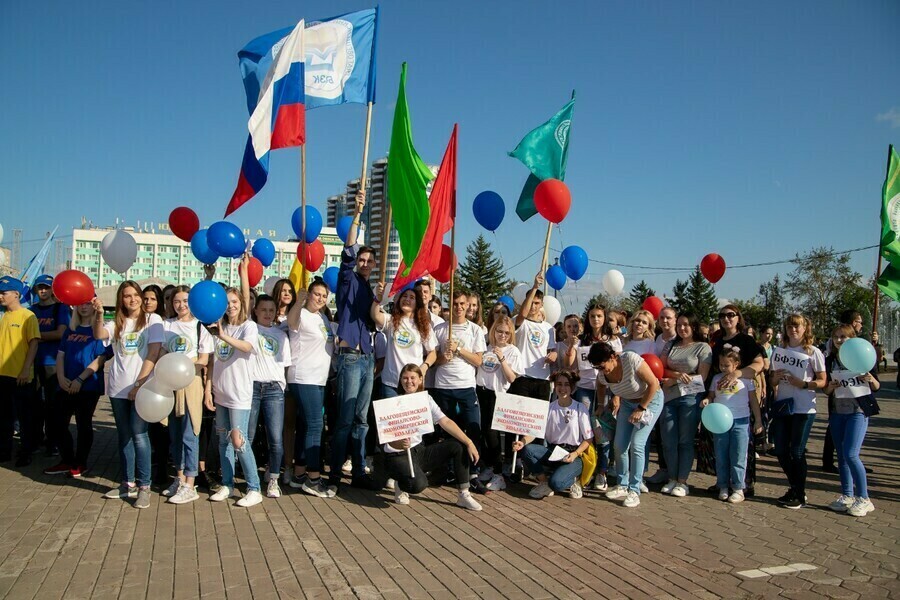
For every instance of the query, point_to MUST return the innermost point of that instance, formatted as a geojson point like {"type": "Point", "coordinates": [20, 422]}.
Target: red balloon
{"type": "Point", "coordinates": [553, 200]}
{"type": "Point", "coordinates": [254, 271]}
{"type": "Point", "coordinates": [73, 288]}
{"type": "Point", "coordinates": [447, 265]}
{"type": "Point", "coordinates": [184, 223]}
{"type": "Point", "coordinates": [311, 255]}
{"type": "Point", "coordinates": [713, 267]}
{"type": "Point", "coordinates": [653, 305]}
{"type": "Point", "coordinates": [655, 364]}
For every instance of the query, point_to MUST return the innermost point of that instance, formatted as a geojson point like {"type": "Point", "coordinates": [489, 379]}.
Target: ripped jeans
{"type": "Point", "coordinates": [228, 419]}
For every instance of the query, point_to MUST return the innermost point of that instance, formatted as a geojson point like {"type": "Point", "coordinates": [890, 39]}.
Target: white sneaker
{"type": "Point", "coordinates": [736, 497]}
{"type": "Point", "coordinates": [400, 497]}
{"type": "Point", "coordinates": [681, 490]}
{"type": "Point", "coordinates": [172, 489]}
{"type": "Point", "coordinates": [186, 493]}
{"type": "Point", "coordinates": [670, 485]}
{"type": "Point", "coordinates": [223, 494]}
{"type": "Point", "coordinates": [632, 499]}
{"type": "Point", "coordinates": [658, 477]}
{"type": "Point", "coordinates": [617, 493]}
{"type": "Point", "coordinates": [576, 491]}
{"type": "Point", "coordinates": [272, 489]}
{"type": "Point", "coordinates": [486, 475]}
{"type": "Point", "coordinates": [842, 503]}
{"type": "Point", "coordinates": [466, 501]}
{"type": "Point", "coordinates": [496, 484]}
{"type": "Point", "coordinates": [600, 483]}
{"type": "Point", "coordinates": [390, 484]}
{"type": "Point", "coordinates": [251, 498]}
{"type": "Point", "coordinates": [644, 489]}
{"type": "Point", "coordinates": [347, 467]}
{"type": "Point", "coordinates": [723, 494]}
{"type": "Point", "coordinates": [540, 491]}
{"type": "Point", "coordinates": [861, 507]}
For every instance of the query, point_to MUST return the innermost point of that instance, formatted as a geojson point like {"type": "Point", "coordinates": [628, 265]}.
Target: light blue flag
{"type": "Point", "coordinates": [36, 267]}
{"type": "Point", "coordinates": [339, 59]}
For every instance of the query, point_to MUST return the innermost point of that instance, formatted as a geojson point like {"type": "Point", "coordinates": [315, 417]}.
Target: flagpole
{"type": "Point", "coordinates": [452, 265]}
{"type": "Point", "coordinates": [386, 238]}
{"type": "Point", "coordinates": [546, 253]}
{"type": "Point", "coordinates": [878, 268]}
{"type": "Point", "coordinates": [302, 214]}
{"type": "Point", "coordinates": [365, 158]}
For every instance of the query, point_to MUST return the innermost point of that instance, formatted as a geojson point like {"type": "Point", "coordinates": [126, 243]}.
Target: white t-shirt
{"type": "Point", "coordinates": [404, 345]}
{"type": "Point", "coordinates": [736, 397]}
{"type": "Point", "coordinates": [534, 340]}
{"type": "Point", "coordinates": [458, 373]}
{"type": "Point", "coordinates": [272, 356]}
{"type": "Point", "coordinates": [429, 374]}
{"type": "Point", "coordinates": [181, 337]}
{"type": "Point", "coordinates": [801, 364]}
{"type": "Point", "coordinates": [490, 374]}
{"type": "Point", "coordinates": [661, 346]}
{"type": "Point", "coordinates": [640, 347]}
{"type": "Point", "coordinates": [436, 415]}
{"type": "Point", "coordinates": [312, 345]}
{"type": "Point", "coordinates": [129, 352]}
{"type": "Point", "coordinates": [232, 377]}
{"type": "Point", "coordinates": [576, 430]}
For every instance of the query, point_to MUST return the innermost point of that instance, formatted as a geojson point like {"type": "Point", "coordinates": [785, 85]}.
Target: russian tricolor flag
{"type": "Point", "coordinates": [278, 120]}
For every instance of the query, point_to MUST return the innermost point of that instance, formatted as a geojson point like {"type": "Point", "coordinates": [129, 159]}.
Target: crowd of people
{"type": "Point", "coordinates": [283, 383]}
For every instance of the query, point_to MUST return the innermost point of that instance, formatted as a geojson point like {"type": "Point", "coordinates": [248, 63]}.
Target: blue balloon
{"type": "Point", "coordinates": [201, 249]}
{"type": "Point", "coordinates": [717, 418]}
{"type": "Point", "coordinates": [264, 251]}
{"type": "Point", "coordinates": [208, 301]}
{"type": "Point", "coordinates": [857, 355]}
{"type": "Point", "coordinates": [343, 227]}
{"type": "Point", "coordinates": [489, 210]}
{"type": "Point", "coordinates": [509, 302]}
{"type": "Point", "coordinates": [556, 277]}
{"type": "Point", "coordinates": [226, 239]}
{"type": "Point", "coordinates": [313, 223]}
{"type": "Point", "coordinates": [574, 261]}
{"type": "Point", "coordinates": [331, 278]}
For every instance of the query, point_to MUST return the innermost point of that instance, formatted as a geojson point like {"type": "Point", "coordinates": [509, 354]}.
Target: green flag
{"type": "Point", "coordinates": [407, 178]}
{"type": "Point", "coordinates": [544, 151]}
{"type": "Point", "coordinates": [889, 282]}
{"type": "Point", "coordinates": [890, 211]}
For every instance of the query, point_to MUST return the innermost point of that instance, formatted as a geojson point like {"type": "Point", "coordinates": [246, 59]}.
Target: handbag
{"type": "Point", "coordinates": [783, 407]}
{"type": "Point", "coordinates": [868, 405]}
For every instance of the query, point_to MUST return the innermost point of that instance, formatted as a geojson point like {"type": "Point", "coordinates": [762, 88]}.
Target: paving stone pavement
{"type": "Point", "coordinates": [60, 539]}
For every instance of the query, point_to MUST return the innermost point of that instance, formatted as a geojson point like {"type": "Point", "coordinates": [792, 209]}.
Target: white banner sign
{"type": "Point", "coordinates": [793, 362]}
{"type": "Point", "coordinates": [520, 415]}
{"type": "Point", "coordinates": [403, 417]}
{"type": "Point", "coordinates": [852, 385]}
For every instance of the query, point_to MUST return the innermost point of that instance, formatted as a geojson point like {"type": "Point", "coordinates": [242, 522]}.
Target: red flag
{"type": "Point", "coordinates": [442, 204]}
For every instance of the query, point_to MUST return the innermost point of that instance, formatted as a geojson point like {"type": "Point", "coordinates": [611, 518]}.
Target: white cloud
{"type": "Point", "coordinates": [892, 116]}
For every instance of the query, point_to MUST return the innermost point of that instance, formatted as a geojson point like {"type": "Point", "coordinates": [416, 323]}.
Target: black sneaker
{"type": "Point", "coordinates": [476, 486]}
{"type": "Point", "coordinates": [787, 497]}
{"type": "Point", "coordinates": [364, 482]}
{"type": "Point", "coordinates": [793, 503]}
{"type": "Point", "coordinates": [829, 468]}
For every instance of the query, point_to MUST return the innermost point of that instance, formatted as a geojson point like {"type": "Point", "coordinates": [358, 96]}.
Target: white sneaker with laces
{"type": "Point", "coordinates": [272, 489]}
{"type": "Point", "coordinates": [400, 497]}
{"type": "Point", "coordinates": [736, 497]}
{"type": "Point", "coordinates": [172, 489]}
{"type": "Point", "coordinates": [632, 499]}
{"type": "Point", "coordinates": [723, 494]}
{"type": "Point", "coordinates": [486, 475]}
{"type": "Point", "coordinates": [681, 490]}
{"type": "Point", "coordinates": [842, 503]}
{"type": "Point", "coordinates": [347, 467]}
{"type": "Point", "coordinates": [391, 484]}
{"type": "Point", "coordinates": [861, 507]}
{"type": "Point", "coordinates": [252, 498]}
{"type": "Point", "coordinates": [670, 485]}
{"type": "Point", "coordinates": [186, 493]}
{"type": "Point", "coordinates": [466, 501]}
{"type": "Point", "coordinates": [496, 484]}
{"type": "Point", "coordinates": [576, 491]}
{"type": "Point", "coordinates": [617, 493]}
{"type": "Point", "coordinates": [540, 491]}
{"type": "Point", "coordinates": [644, 489]}
{"type": "Point", "coordinates": [223, 494]}
{"type": "Point", "coordinates": [658, 477]}
{"type": "Point", "coordinates": [600, 482]}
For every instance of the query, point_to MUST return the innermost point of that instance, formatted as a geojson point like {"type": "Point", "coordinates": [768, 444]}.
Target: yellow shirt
{"type": "Point", "coordinates": [17, 329]}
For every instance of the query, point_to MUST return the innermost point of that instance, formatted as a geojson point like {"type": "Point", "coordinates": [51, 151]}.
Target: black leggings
{"type": "Point", "coordinates": [425, 459]}
{"type": "Point", "coordinates": [82, 406]}
{"type": "Point", "coordinates": [492, 451]}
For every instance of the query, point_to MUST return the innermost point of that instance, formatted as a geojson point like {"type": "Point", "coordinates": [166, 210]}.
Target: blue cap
{"type": "Point", "coordinates": [42, 280]}
{"type": "Point", "coordinates": [11, 284]}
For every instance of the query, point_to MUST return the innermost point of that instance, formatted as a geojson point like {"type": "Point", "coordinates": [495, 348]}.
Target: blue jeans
{"type": "Point", "coordinates": [848, 432]}
{"type": "Point", "coordinates": [563, 474]}
{"type": "Point", "coordinates": [355, 375]}
{"type": "Point", "coordinates": [310, 400]}
{"type": "Point", "coordinates": [678, 427]}
{"type": "Point", "coordinates": [731, 455]}
{"type": "Point", "coordinates": [631, 442]}
{"type": "Point", "coordinates": [184, 444]}
{"type": "Point", "coordinates": [389, 391]}
{"type": "Point", "coordinates": [228, 419]}
{"type": "Point", "coordinates": [134, 443]}
{"type": "Point", "coordinates": [791, 435]}
{"type": "Point", "coordinates": [269, 397]}
{"type": "Point", "coordinates": [586, 397]}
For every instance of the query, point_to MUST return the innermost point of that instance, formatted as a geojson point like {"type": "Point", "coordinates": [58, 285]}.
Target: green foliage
{"type": "Point", "coordinates": [640, 292]}
{"type": "Point", "coordinates": [697, 296]}
{"type": "Point", "coordinates": [482, 273]}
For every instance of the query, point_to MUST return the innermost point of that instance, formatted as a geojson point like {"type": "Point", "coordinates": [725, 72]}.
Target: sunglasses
{"type": "Point", "coordinates": [728, 315]}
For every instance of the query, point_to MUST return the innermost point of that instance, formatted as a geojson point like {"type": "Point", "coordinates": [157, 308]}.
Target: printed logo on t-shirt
{"type": "Point", "coordinates": [326, 333]}
{"type": "Point", "coordinates": [224, 351]}
{"type": "Point", "coordinates": [133, 343]}
{"type": "Point", "coordinates": [731, 390]}
{"type": "Point", "coordinates": [489, 362]}
{"type": "Point", "coordinates": [536, 338]}
{"type": "Point", "coordinates": [268, 345]}
{"type": "Point", "coordinates": [179, 344]}
{"type": "Point", "coordinates": [404, 338]}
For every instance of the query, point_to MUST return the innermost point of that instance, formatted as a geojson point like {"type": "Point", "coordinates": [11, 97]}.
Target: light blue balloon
{"type": "Point", "coordinates": [208, 301]}
{"type": "Point", "coordinates": [857, 355]}
{"type": "Point", "coordinates": [330, 276]}
{"type": "Point", "coordinates": [201, 249]}
{"type": "Point", "coordinates": [717, 418]}
{"type": "Point", "coordinates": [313, 223]}
{"type": "Point", "coordinates": [556, 277]}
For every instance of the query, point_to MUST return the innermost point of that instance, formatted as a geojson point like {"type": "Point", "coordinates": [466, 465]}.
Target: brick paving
{"type": "Point", "coordinates": [60, 539]}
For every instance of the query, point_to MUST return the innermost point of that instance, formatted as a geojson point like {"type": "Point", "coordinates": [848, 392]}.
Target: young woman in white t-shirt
{"type": "Point", "coordinates": [640, 338]}
{"type": "Point", "coordinates": [501, 364]}
{"type": "Point", "coordinates": [230, 380]}
{"type": "Point", "coordinates": [312, 345]}
{"type": "Point", "coordinates": [136, 338]}
{"type": "Point", "coordinates": [268, 365]}
{"type": "Point", "coordinates": [410, 337]}
{"type": "Point", "coordinates": [185, 335]}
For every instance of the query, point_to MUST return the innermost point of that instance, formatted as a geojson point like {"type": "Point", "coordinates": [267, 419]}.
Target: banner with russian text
{"type": "Point", "coordinates": [520, 415]}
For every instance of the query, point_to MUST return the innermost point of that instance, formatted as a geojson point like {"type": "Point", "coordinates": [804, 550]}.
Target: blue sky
{"type": "Point", "coordinates": [755, 130]}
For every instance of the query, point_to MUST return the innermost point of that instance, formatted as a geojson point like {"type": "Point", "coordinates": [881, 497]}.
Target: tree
{"type": "Point", "coordinates": [774, 303]}
{"type": "Point", "coordinates": [603, 299]}
{"type": "Point", "coordinates": [640, 292]}
{"type": "Point", "coordinates": [697, 296]}
{"type": "Point", "coordinates": [482, 273]}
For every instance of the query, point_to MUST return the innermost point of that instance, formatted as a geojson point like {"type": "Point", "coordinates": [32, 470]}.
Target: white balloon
{"type": "Point", "coordinates": [174, 371]}
{"type": "Point", "coordinates": [552, 310]}
{"type": "Point", "coordinates": [152, 406]}
{"type": "Point", "coordinates": [613, 282]}
{"type": "Point", "coordinates": [519, 292]}
{"type": "Point", "coordinates": [119, 250]}
{"type": "Point", "coordinates": [1, 234]}
{"type": "Point", "coordinates": [269, 285]}
{"type": "Point", "coordinates": [723, 302]}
